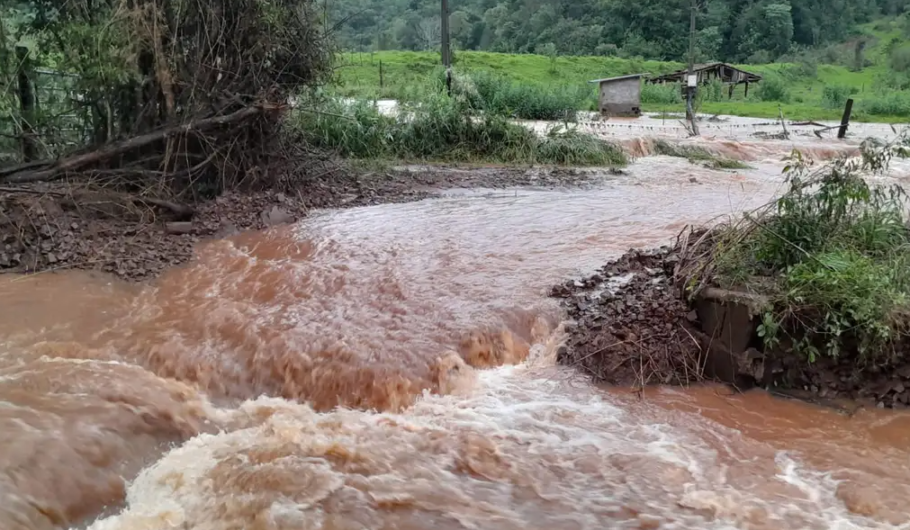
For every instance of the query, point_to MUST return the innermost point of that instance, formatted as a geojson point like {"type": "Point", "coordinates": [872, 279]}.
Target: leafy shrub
{"type": "Point", "coordinates": [893, 104]}
{"type": "Point", "coordinates": [773, 88]}
{"type": "Point", "coordinates": [835, 96]}
{"type": "Point", "coordinates": [760, 57]}
{"type": "Point", "coordinates": [854, 293]}
{"type": "Point", "coordinates": [572, 148]}
{"type": "Point", "coordinates": [356, 130]}
{"type": "Point", "coordinates": [661, 94]}
{"type": "Point", "coordinates": [900, 59]}
{"type": "Point", "coordinates": [438, 127]}
{"type": "Point", "coordinates": [832, 253]}
{"type": "Point", "coordinates": [712, 91]}
{"type": "Point", "coordinates": [607, 50]}
{"type": "Point", "coordinates": [495, 94]}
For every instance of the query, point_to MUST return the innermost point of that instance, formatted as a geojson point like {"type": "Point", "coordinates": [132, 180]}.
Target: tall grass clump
{"type": "Point", "coordinates": [495, 94]}
{"type": "Point", "coordinates": [661, 94]}
{"type": "Point", "coordinates": [890, 104]}
{"type": "Point", "coordinates": [832, 255]}
{"type": "Point", "coordinates": [441, 128]}
{"type": "Point", "coordinates": [356, 130]}
{"type": "Point", "coordinates": [712, 91]}
{"type": "Point", "coordinates": [568, 147]}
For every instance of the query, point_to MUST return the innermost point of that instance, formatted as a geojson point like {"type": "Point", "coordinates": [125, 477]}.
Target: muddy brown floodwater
{"type": "Point", "coordinates": [393, 367]}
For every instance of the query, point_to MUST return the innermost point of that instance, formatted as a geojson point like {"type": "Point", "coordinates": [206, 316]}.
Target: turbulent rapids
{"type": "Point", "coordinates": [394, 367]}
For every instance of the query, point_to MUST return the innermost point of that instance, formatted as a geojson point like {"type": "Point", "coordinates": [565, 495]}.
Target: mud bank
{"type": "Point", "coordinates": [630, 327]}
{"type": "Point", "coordinates": [68, 226]}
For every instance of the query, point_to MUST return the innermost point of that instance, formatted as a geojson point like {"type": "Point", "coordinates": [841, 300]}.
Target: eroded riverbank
{"type": "Point", "coordinates": [434, 312]}
{"type": "Point", "coordinates": [62, 226]}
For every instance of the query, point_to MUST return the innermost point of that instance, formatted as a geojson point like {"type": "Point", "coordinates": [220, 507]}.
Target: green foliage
{"type": "Point", "coordinates": [566, 146]}
{"type": "Point", "coordinates": [713, 91]}
{"type": "Point", "coordinates": [832, 253]}
{"type": "Point", "coordinates": [110, 70]}
{"type": "Point", "coordinates": [549, 50]}
{"type": "Point", "coordinates": [696, 155]}
{"type": "Point", "coordinates": [729, 30]}
{"type": "Point", "coordinates": [900, 59]}
{"type": "Point", "coordinates": [404, 70]}
{"type": "Point", "coordinates": [663, 94]}
{"type": "Point", "coordinates": [496, 94]}
{"type": "Point", "coordinates": [442, 128]}
{"type": "Point", "coordinates": [855, 295]}
{"type": "Point", "coordinates": [892, 104]}
{"type": "Point", "coordinates": [835, 96]}
{"type": "Point", "coordinates": [773, 88]}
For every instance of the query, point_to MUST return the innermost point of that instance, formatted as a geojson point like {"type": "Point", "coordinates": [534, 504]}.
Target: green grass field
{"type": "Point", "coordinates": [358, 75]}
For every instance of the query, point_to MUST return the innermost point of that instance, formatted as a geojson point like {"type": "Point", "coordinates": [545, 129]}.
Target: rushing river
{"type": "Point", "coordinates": [392, 367]}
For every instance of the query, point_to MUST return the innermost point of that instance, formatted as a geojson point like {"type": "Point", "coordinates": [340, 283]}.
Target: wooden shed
{"type": "Point", "coordinates": [725, 73]}
{"type": "Point", "coordinates": [620, 96]}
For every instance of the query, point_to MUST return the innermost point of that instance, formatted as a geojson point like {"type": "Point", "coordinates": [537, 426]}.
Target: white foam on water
{"type": "Point", "coordinates": [529, 448]}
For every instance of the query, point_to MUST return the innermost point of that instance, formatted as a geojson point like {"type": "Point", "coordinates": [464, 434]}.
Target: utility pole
{"type": "Point", "coordinates": [691, 84]}
{"type": "Point", "coordinates": [446, 48]}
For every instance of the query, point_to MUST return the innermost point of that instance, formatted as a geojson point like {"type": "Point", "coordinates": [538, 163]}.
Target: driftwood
{"type": "Point", "coordinates": [48, 171]}
{"type": "Point", "coordinates": [818, 132]}
{"type": "Point", "coordinates": [783, 123]}
{"type": "Point", "coordinates": [180, 211]}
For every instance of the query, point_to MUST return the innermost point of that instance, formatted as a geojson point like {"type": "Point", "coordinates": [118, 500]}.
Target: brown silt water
{"type": "Point", "coordinates": [393, 367]}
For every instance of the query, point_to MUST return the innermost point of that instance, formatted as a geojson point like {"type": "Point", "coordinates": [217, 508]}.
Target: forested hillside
{"type": "Point", "coordinates": [754, 31]}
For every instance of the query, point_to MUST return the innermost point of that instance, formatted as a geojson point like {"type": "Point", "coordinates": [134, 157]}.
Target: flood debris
{"type": "Point", "coordinates": [629, 326]}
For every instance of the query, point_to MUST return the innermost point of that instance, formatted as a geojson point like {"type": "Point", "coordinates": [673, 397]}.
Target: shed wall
{"type": "Point", "coordinates": [621, 98]}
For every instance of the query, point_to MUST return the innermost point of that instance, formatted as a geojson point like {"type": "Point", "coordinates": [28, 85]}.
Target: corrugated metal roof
{"type": "Point", "coordinates": [620, 78]}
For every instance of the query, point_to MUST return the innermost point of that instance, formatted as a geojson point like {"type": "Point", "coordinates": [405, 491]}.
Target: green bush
{"type": "Point", "coordinates": [443, 128]}
{"type": "Point", "coordinates": [855, 294]}
{"type": "Point", "coordinates": [835, 96]}
{"type": "Point", "coordinates": [661, 94]}
{"type": "Point", "coordinates": [832, 254]}
{"type": "Point", "coordinates": [773, 87]}
{"type": "Point", "coordinates": [900, 59]}
{"type": "Point", "coordinates": [357, 130]}
{"type": "Point", "coordinates": [497, 95]}
{"type": "Point", "coordinates": [886, 82]}
{"type": "Point", "coordinates": [893, 104]}
{"type": "Point", "coordinates": [713, 91]}
{"type": "Point", "coordinates": [572, 148]}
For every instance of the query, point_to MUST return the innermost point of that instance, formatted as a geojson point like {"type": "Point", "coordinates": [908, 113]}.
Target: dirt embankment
{"type": "Point", "coordinates": [631, 327]}
{"type": "Point", "coordinates": [628, 326]}
{"type": "Point", "coordinates": [64, 225]}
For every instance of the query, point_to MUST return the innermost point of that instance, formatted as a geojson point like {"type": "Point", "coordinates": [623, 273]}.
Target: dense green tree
{"type": "Point", "coordinates": [732, 30]}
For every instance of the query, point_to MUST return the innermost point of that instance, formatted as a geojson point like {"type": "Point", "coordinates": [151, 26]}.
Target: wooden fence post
{"type": "Point", "coordinates": [845, 121]}
{"type": "Point", "coordinates": [380, 76]}
{"type": "Point", "coordinates": [26, 104]}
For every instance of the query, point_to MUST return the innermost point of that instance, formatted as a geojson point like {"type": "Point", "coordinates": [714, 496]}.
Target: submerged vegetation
{"type": "Point", "coordinates": [832, 256]}
{"type": "Point", "coordinates": [696, 155]}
